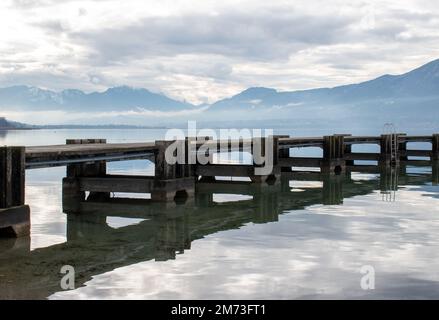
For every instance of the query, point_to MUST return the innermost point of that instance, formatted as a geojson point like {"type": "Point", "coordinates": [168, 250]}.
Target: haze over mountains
{"type": "Point", "coordinates": [393, 98]}
{"type": "Point", "coordinates": [114, 99]}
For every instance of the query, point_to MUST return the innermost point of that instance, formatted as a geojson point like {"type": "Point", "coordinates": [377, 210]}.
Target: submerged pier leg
{"type": "Point", "coordinates": [208, 155]}
{"type": "Point", "coordinates": [283, 153]}
{"type": "Point", "coordinates": [14, 214]}
{"type": "Point", "coordinates": [402, 148]}
{"type": "Point", "coordinates": [173, 181]}
{"type": "Point", "coordinates": [72, 194]}
{"type": "Point", "coordinates": [332, 192]}
{"type": "Point", "coordinates": [333, 155]}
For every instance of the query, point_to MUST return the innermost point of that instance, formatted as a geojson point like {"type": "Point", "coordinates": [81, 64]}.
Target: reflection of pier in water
{"type": "Point", "coordinates": [167, 229]}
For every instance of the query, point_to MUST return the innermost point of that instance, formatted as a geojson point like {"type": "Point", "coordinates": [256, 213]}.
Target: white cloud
{"type": "Point", "coordinates": [204, 50]}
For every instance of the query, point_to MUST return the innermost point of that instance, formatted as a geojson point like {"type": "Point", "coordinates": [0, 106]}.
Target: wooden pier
{"type": "Point", "coordinates": [86, 160]}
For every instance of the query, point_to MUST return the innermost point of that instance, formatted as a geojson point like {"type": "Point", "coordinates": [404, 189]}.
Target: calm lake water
{"type": "Point", "coordinates": [302, 238]}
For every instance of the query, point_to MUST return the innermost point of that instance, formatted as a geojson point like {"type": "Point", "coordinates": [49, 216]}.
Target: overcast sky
{"type": "Point", "coordinates": [203, 50]}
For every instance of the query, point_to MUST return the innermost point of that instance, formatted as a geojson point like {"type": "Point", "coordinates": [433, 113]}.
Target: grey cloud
{"type": "Point", "coordinates": [30, 4]}
{"type": "Point", "coordinates": [250, 35]}
{"type": "Point", "coordinates": [53, 26]}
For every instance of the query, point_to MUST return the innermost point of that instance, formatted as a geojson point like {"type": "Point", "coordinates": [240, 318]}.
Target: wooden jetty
{"type": "Point", "coordinates": [86, 160]}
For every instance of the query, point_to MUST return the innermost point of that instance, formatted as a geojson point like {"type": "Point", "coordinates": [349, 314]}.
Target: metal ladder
{"type": "Point", "coordinates": [390, 129]}
{"type": "Point", "coordinates": [391, 185]}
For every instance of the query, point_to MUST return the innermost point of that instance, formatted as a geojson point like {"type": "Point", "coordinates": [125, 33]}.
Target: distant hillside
{"type": "Point", "coordinates": [421, 83]}
{"type": "Point", "coordinates": [5, 124]}
{"type": "Point", "coordinates": [114, 99]}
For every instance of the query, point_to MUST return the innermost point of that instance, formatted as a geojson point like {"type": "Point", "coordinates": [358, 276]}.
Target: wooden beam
{"type": "Point", "coordinates": [113, 183]}
{"type": "Point", "coordinates": [363, 156]}
{"type": "Point", "coordinates": [300, 162]}
{"type": "Point", "coordinates": [226, 170]}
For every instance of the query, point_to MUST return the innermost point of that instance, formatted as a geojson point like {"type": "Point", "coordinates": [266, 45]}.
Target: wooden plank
{"type": "Point", "coordinates": [226, 170]}
{"type": "Point", "coordinates": [417, 138]}
{"type": "Point", "coordinates": [362, 140]}
{"type": "Point", "coordinates": [416, 153]}
{"type": "Point", "coordinates": [301, 142]}
{"type": "Point", "coordinates": [46, 156]}
{"type": "Point", "coordinates": [60, 151]}
{"type": "Point", "coordinates": [417, 163]}
{"type": "Point", "coordinates": [114, 183]}
{"type": "Point", "coordinates": [363, 168]}
{"type": "Point", "coordinates": [300, 162]}
{"type": "Point", "coordinates": [362, 156]}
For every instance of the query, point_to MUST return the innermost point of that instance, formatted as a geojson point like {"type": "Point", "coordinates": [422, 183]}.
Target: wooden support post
{"type": "Point", "coordinates": [172, 180]}
{"type": "Point", "coordinates": [402, 147]}
{"type": "Point", "coordinates": [435, 147]}
{"type": "Point", "coordinates": [283, 153]}
{"type": "Point", "coordinates": [12, 175]}
{"type": "Point", "coordinates": [263, 153]}
{"type": "Point", "coordinates": [209, 155]}
{"type": "Point", "coordinates": [96, 169]}
{"type": "Point", "coordinates": [72, 195]}
{"type": "Point", "coordinates": [14, 214]}
{"type": "Point", "coordinates": [389, 154]}
{"type": "Point", "coordinates": [435, 172]}
{"type": "Point", "coordinates": [347, 149]}
{"type": "Point", "coordinates": [333, 155]}
{"type": "Point", "coordinates": [163, 170]}
{"type": "Point", "coordinates": [276, 150]}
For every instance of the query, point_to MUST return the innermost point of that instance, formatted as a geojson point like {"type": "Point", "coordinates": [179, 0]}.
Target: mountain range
{"type": "Point", "coordinates": [389, 97]}
{"type": "Point", "coordinates": [114, 99]}
{"type": "Point", "coordinates": [6, 124]}
{"type": "Point", "coordinates": [420, 83]}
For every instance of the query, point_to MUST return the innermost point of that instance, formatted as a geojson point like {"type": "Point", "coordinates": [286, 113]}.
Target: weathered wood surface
{"type": "Point", "coordinates": [40, 156]}
{"type": "Point", "coordinates": [51, 155]}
